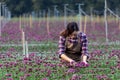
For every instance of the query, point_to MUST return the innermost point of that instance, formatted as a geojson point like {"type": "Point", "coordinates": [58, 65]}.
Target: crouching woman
{"type": "Point", "coordinates": [73, 45]}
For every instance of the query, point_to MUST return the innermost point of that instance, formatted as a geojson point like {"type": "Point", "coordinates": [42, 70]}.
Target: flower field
{"type": "Point", "coordinates": [41, 30]}
{"type": "Point", "coordinates": [43, 62]}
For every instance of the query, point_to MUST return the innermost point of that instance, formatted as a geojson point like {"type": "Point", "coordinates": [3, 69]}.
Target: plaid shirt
{"type": "Point", "coordinates": [84, 44]}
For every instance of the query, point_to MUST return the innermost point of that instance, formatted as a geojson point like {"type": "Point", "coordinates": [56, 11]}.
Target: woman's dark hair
{"type": "Point", "coordinates": [71, 27]}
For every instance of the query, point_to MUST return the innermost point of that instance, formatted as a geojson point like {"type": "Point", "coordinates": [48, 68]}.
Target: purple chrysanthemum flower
{"type": "Point", "coordinates": [8, 75]}
{"type": "Point", "coordinates": [1, 65]}
{"type": "Point", "coordinates": [44, 79]}
{"type": "Point", "coordinates": [22, 78]}
{"type": "Point", "coordinates": [71, 70]}
{"type": "Point", "coordinates": [82, 64]}
{"type": "Point", "coordinates": [9, 79]}
{"type": "Point", "coordinates": [75, 77]}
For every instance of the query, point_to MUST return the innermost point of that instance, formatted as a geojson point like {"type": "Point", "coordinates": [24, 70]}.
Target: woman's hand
{"type": "Point", "coordinates": [73, 63]}
{"type": "Point", "coordinates": [79, 64]}
{"type": "Point", "coordinates": [85, 64]}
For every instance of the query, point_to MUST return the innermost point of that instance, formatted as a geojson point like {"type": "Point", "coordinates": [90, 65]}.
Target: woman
{"type": "Point", "coordinates": [69, 37]}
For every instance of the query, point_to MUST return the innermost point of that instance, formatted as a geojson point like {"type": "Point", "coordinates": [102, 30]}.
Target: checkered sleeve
{"type": "Point", "coordinates": [61, 45]}
{"type": "Point", "coordinates": [84, 44]}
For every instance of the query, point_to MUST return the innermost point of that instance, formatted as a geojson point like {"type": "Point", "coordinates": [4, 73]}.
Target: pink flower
{"type": "Point", "coordinates": [75, 77]}
{"type": "Point", "coordinates": [71, 70]}
{"type": "Point", "coordinates": [9, 79]}
{"type": "Point", "coordinates": [22, 78]}
{"type": "Point", "coordinates": [8, 75]}
{"type": "Point", "coordinates": [1, 65]}
{"type": "Point", "coordinates": [44, 79]}
{"type": "Point", "coordinates": [82, 64]}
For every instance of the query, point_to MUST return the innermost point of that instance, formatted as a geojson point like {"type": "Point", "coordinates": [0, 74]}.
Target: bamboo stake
{"type": "Point", "coordinates": [93, 22]}
{"type": "Point", "coordinates": [116, 20]}
{"type": "Point", "coordinates": [85, 24]}
{"type": "Point", "coordinates": [30, 21]}
{"type": "Point", "coordinates": [23, 42]}
{"type": "Point", "coordinates": [119, 25]}
{"type": "Point", "coordinates": [20, 23]}
{"type": "Point", "coordinates": [27, 55]}
{"type": "Point", "coordinates": [27, 20]}
{"type": "Point", "coordinates": [0, 26]}
{"type": "Point", "coordinates": [80, 24]}
{"type": "Point", "coordinates": [39, 21]}
{"type": "Point", "coordinates": [23, 21]}
{"type": "Point", "coordinates": [48, 26]}
{"type": "Point", "coordinates": [98, 19]}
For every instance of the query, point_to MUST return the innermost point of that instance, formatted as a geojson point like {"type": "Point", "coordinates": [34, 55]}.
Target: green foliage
{"type": "Point", "coordinates": [18, 7]}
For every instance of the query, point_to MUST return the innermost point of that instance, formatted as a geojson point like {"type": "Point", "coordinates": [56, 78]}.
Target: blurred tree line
{"type": "Point", "coordinates": [19, 7]}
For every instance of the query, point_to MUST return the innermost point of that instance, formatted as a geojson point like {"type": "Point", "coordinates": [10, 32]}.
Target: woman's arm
{"type": "Point", "coordinates": [62, 50]}
{"type": "Point", "coordinates": [85, 54]}
{"type": "Point", "coordinates": [66, 58]}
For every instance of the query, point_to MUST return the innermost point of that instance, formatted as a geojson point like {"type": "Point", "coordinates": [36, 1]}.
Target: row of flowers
{"type": "Point", "coordinates": [12, 32]}
{"type": "Point", "coordinates": [37, 67]}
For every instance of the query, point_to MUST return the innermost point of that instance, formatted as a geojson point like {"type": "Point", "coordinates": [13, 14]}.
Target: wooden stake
{"type": "Point", "coordinates": [92, 22]}
{"type": "Point", "coordinates": [23, 42]}
{"type": "Point", "coordinates": [119, 25]}
{"type": "Point", "coordinates": [81, 24]}
{"type": "Point", "coordinates": [85, 24]}
{"type": "Point", "coordinates": [27, 55]}
{"type": "Point", "coordinates": [48, 26]}
{"type": "Point", "coordinates": [39, 22]}
{"type": "Point", "coordinates": [20, 23]}
{"type": "Point", "coordinates": [98, 19]}
{"type": "Point", "coordinates": [30, 21]}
